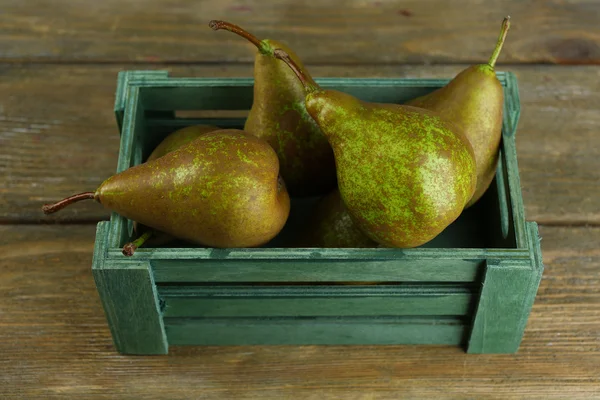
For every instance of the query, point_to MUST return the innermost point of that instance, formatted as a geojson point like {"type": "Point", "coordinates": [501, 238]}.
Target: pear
{"type": "Point", "coordinates": [278, 115]}
{"type": "Point", "coordinates": [172, 142]}
{"type": "Point", "coordinates": [404, 173]}
{"type": "Point", "coordinates": [330, 225]}
{"type": "Point", "coordinates": [221, 190]}
{"type": "Point", "coordinates": [473, 100]}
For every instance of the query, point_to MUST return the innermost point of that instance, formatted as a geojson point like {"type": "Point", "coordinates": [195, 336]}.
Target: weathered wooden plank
{"type": "Point", "coordinates": [374, 32]}
{"type": "Point", "coordinates": [58, 135]}
{"type": "Point", "coordinates": [317, 270]}
{"type": "Point", "coordinates": [320, 330]}
{"type": "Point", "coordinates": [55, 342]}
{"type": "Point", "coordinates": [302, 301]}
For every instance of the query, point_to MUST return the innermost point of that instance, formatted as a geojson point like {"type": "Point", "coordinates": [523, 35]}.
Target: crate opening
{"type": "Point", "coordinates": [484, 225]}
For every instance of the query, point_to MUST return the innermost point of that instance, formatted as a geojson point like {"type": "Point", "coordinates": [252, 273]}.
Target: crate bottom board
{"type": "Point", "coordinates": [315, 331]}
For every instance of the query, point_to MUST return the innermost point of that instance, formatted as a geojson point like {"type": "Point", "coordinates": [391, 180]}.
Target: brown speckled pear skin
{"type": "Point", "coordinates": [179, 138]}
{"type": "Point", "coordinates": [278, 115]}
{"type": "Point", "coordinates": [474, 101]}
{"type": "Point", "coordinates": [404, 173]}
{"type": "Point", "coordinates": [330, 226]}
{"type": "Point", "coordinates": [220, 190]}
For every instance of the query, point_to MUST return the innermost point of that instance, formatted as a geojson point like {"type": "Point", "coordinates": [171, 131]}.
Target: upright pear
{"type": "Point", "coordinates": [404, 173]}
{"type": "Point", "coordinates": [221, 190]}
{"type": "Point", "coordinates": [473, 100]}
{"type": "Point", "coordinates": [278, 116]}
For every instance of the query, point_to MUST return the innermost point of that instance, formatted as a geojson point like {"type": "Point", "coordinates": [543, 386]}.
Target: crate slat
{"type": "Point", "coordinates": [370, 300]}
{"type": "Point", "coordinates": [334, 331]}
{"type": "Point", "coordinates": [361, 270]}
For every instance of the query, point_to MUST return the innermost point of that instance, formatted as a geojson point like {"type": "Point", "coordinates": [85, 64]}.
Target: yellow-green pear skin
{"type": "Point", "coordinates": [474, 101]}
{"type": "Point", "coordinates": [278, 115]}
{"type": "Point", "coordinates": [404, 173]}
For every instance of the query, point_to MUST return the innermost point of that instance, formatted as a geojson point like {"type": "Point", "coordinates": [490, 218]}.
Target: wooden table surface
{"type": "Point", "coordinates": [58, 136]}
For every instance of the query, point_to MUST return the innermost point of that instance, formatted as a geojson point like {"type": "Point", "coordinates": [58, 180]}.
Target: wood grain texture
{"type": "Point", "coordinates": [58, 135]}
{"type": "Point", "coordinates": [55, 342]}
{"type": "Point", "coordinates": [411, 31]}
{"type": "Point", "coordinates": [265, 301]}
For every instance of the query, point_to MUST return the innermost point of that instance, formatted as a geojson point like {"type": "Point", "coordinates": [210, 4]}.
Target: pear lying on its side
{"type": "Point", "coordinates": [172, 142]}
{"type": "Point", "coordinates": [221, 190]}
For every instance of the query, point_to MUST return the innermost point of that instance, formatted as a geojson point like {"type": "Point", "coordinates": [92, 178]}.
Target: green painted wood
{"type": "Point", "coordinates": [316, 270]}
{"type": "Point", "coordinates": [265, 301]}
{"type": "Point", "coordinates": [130, 149]}
{"type": "Point", "coordinates": [130, 301]}
{"type": "Point", "coordinates": [514, 186]}
{"type": "Point", "coordinates": [505, 302]}
{"type": "Point", "coordinates": [504, 199]}
{"type": "Point", "coordinates": [319, 330]}
{"type": "Point", "coordinates": [512, 103]}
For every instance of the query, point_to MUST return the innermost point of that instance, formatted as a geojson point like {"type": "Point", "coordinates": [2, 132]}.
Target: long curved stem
{"type": "Point", "coordinates": [217, 24]}
{"type": "Point", "coordinates": [130, 248]}
{"type": "Point", "coordinates": [501, 38]}
{"type": "Point", "coordinates": [283, 56]}
{"type": "Point", "coordinates": [52, 208]}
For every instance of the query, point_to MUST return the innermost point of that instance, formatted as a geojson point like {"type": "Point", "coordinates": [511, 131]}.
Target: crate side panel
{"type": "Point", "coordinates": [446, 270]}
{"type": "Point", "coordinates": [209, 97]}
{"type": "Point", "coordinates": [133, 137]}
{"type": "Point", "coordinates": [131, 305]}
{"type": "Point", "coordinates": [201, 307]}
{"type": "Point", "coordinates": [307, 331]}
{"type": "Point", "coordinates": [504, 306]}
{"type": "Point", "coordinates": [448, 304]}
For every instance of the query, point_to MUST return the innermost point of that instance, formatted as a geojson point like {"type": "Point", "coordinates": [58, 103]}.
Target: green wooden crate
{"type": "Point", "coordinates": [472, 286]}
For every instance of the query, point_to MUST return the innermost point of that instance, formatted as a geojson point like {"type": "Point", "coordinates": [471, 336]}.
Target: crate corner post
{"type": "Point", "coordinates": [130, 300]}
{"type": "Point", "coordinates": [506, 298]}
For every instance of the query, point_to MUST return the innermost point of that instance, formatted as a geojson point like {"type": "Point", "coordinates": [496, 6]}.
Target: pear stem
{"type": "Point", "coordinates": [501, 38]}
{"type": "Point", "coordinates": [217, 24]}
{"type": "Point", "coordinates": [283, 56]}
{"type": "Point", "coordinates": [52, 208]}
{"type": "Point", "coordinates": [130, 248]}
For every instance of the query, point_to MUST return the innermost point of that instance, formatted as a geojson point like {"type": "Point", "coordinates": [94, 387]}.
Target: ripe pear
{"type": "Point", "coordinates": [172, 142]}
{"type": "Point", "coordinates": [330, 225]}
{"type": "Point", "coordinates": [221, 190]}
{"type": "Point", "coordinates": [473, 100]}
{"type": "Point", "coordinates": [404, 173]}
{"type": "Point", "coordinates": [278, 115]}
